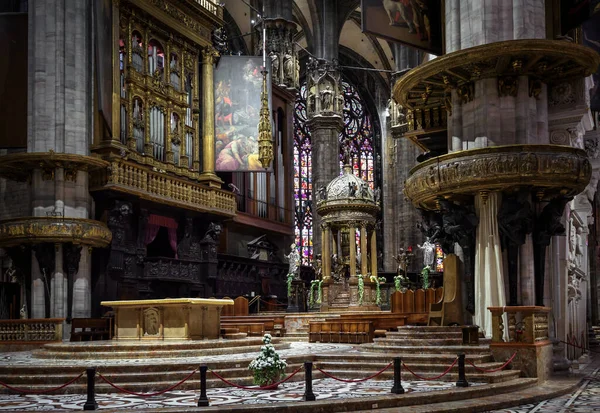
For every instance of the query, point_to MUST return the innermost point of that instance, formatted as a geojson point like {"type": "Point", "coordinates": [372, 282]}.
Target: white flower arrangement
{"type": "Point", "coordinates": [315, 284]}
{"type": "Point", "coordinates": [378, 282]}
{"type": "Point", "coordinates": [267, 368]}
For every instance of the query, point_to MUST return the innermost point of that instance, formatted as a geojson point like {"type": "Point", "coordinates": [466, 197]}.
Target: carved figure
{"type": "Point", "coordinates": [288, 67]}
{"type": "Point", "coordinates": [364, 191]}
{"type": "Point", "coordinates": [213, 232]}
{"type": "Point", "coordinates": [275, 65]}
{"type": "Point", "coordinates": [23, 312]}
{"type": "Point", "coordinates": [548, 223]}
{"type": "Point", "coordinates": [428, 253]}
{"type": "Point", "coordinates": [377, 195]}
{"type": "Point", "coordinates": [318, 267]}
{"type": "Point", "coordinates": [515, 219]}
{"type": "Point", "coordinates": [327, 99]}
{"type": "Point", "coordinates": [338, 268]}
{"type": "Point", "coordinates": [294, 261]}
{"type": "Point", "coordinates": [322, 194]}
{"type": "Point", "coordinates": [352, 188]}
{"type": "Point", "coordinates": [459, 222]}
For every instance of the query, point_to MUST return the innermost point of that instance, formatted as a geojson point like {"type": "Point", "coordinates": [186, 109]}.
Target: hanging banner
{"type": "Point", "coordinates": [591, 38]}
{"type": "Point", "coordinates": [574, 12]}
{"type": "Point", "coordinates": [238, 85]}
{"type": "Point", "coordinates": [416, 23]}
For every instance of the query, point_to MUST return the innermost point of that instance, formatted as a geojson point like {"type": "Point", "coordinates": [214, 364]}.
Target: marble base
{"type": "Point", "coordinates": [534, 360]}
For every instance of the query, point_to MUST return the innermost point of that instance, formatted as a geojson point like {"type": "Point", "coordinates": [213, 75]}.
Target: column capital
{"type": "Point", "coordinates": [209, 55]}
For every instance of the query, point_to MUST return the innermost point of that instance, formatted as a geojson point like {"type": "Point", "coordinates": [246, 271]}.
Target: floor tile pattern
{"type": "Point", "coordinates": [288, 392]}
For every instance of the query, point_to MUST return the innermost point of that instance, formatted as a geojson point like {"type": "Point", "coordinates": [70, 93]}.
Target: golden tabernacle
{"type": "Point", "coordinates": [167, 319]}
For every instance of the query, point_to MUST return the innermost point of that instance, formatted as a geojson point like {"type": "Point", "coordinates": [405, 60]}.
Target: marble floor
{"type": "Point", "coordinates": [324, 389]}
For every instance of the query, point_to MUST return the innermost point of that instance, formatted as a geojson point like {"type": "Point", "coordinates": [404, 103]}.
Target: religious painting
{"type": "Point", "coordinates": [238, 86]}
{"type": "Point", "coordinates": [574, 12]}
{"type": "Point", "coordinates": [416, 23]}
{"type": "Point", "coordinates": [591, 38]}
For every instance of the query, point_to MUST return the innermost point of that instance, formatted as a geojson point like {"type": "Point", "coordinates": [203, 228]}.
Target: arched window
{"type": "Point", "coordinates": [357, 133]}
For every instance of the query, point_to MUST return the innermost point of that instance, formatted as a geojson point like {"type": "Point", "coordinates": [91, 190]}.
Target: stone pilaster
{"type": "Point", "coordinates": [209, 55]}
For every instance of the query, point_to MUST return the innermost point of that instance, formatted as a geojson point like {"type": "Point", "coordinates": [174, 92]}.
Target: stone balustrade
{"type": "Point", "coordinates": [31, 330]}
{"type": "Point", "coordinates": [159, 186]}
{"type": "Point", "coordinates": [526, 324]}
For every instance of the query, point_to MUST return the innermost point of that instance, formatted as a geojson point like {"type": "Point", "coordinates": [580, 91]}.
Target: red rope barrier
{"type": "Point", "coordinates": [493, 370]}
{"type": "Point", "coordinates": [267, 387]}
{"type": "Point", "coordinates": [354, 380]}
{"type": "Point", "coordinates": [275, 304]}
{"type": "Point", "coordinates": [41, 391]}
{"type": "Point", "coordinates": [147, 394]}
{"type": "Point", "coordinates": [431, 378]}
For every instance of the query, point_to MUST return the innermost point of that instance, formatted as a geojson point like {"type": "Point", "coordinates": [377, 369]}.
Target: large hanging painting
{"type": "Point", "coordinates": [238, 86]}
{"type": "Point", "coordinates": [591, 38]}
{"type": "Point", "coordinates": [416, 23]}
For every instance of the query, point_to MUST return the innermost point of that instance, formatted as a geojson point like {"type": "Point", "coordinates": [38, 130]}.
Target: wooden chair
{"type": "Point", "coordinates": [450, 309]}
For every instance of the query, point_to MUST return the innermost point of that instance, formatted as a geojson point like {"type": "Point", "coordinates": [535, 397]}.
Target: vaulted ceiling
{"type": "Point", "coordinates": [307, 14]}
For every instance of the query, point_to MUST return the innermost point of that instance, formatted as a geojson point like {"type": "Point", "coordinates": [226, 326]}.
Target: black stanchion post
{"type": "Point", "coordinates": [203, 400]}
{"type": "Point", "coordinates": [397, 389]}
{"type": "Point", "coordinates": [309, 396]}
{"type": "Point", "coordinates": [462, 381]}
{"type": "Point", "coordinates": [90, 403]}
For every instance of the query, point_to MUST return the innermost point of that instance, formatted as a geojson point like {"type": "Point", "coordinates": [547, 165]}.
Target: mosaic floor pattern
{"type": "Point", "coordinates": [585, 399]}
{"type": "Point", "coordinates": [323, 389]}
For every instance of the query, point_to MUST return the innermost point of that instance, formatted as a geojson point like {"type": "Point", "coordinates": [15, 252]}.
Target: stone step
{"type": "Point", "coordinates": [452, 376]}
{"type": "Point", "coordinates": [418, 342]}
{"type": "Point", "coordinates": [429, 329]}
{"type": "Point", "coordinates": [423, 335]}
{"type": "Point", "coordinates": [126, 352]}
{"type": "Point", "coordinates": [418, 366]}
{"type": "Point", "coordinates": [467, 349]}
{"type": "Point", "coordinates": [409, 359]}
{"type": "Point", "coordinates": [234, 336]}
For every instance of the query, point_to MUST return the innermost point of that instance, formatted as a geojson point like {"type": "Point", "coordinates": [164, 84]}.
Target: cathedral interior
{"type": "Point", "coordinates": [369, 182]}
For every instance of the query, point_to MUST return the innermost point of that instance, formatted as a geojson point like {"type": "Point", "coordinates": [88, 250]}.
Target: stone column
{"type": "Point", "coordinates": [363, 249]}
{"type": "Point", "coordinates": [325, 123]}
{"type": "Point", "coordinates": [352, 241]}
{"type": "Point", "coordinates": [209, 55]}
{"type": "Point", "coordinates": [399, 215]}
{"type": "Point", "coordinates": [59, 119]}
{"type": "Point", "coordinates": [326, 255]}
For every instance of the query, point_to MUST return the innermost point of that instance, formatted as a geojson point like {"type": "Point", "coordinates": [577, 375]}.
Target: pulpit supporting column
{"type": "Point", "coordinates": [363, 249]}
{"type": "Point", "coordinates": [374, 252]}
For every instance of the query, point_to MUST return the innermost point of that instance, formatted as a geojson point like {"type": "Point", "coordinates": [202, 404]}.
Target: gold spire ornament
{"type": "Point", "coordinates": [265, 135]}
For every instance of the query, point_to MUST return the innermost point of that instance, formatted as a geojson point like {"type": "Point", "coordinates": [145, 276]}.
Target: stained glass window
{"type": "Point", "coordinates": [439, 259]}
{"type": "Point", "coordinates": [357, 133]}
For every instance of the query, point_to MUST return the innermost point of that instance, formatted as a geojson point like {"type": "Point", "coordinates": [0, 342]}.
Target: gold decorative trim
{"type": "Point", "coordinates": [168, 301]}
{"type": "Point", "coordinates": [429, 85]}
{"type": "Point", "coordinates": [551, 169]}
{"type": "Point", "coordinates": [37, 230]}
{"type": "Point", "coordinates": [18, 166]}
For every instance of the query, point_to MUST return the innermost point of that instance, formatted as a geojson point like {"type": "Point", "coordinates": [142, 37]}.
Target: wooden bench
{"type": "Point", "coordinates": [272, 325]}
{"type": "Point", "coordinates": [252, 329]}
{"type": "Point", "coordinates": [91, 329]}
{"type": "Point", "coordinates": [338, 331]}
{"type": "Point", "coordinates": [380, 321]}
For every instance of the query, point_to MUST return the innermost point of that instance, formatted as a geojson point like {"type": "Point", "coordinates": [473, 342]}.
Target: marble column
{"type": "Point", "coordinates": [209, 55]}
{"type": "Point", "coordinates": [326, 254]}
{"type": "Point", "coordinates": [59, 119]}
{"type": "Point", "coordinates": [399, 215]}
{"type": "Point", "coordinates": [352, 241]}
{"type": "Point", "coordinates": [363, 249]}
{"type": "Point", "coordinates": [374, 252]}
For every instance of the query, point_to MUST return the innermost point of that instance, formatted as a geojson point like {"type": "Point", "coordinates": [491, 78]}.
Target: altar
{"type": "Point", "coordinates": [168, 319]}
